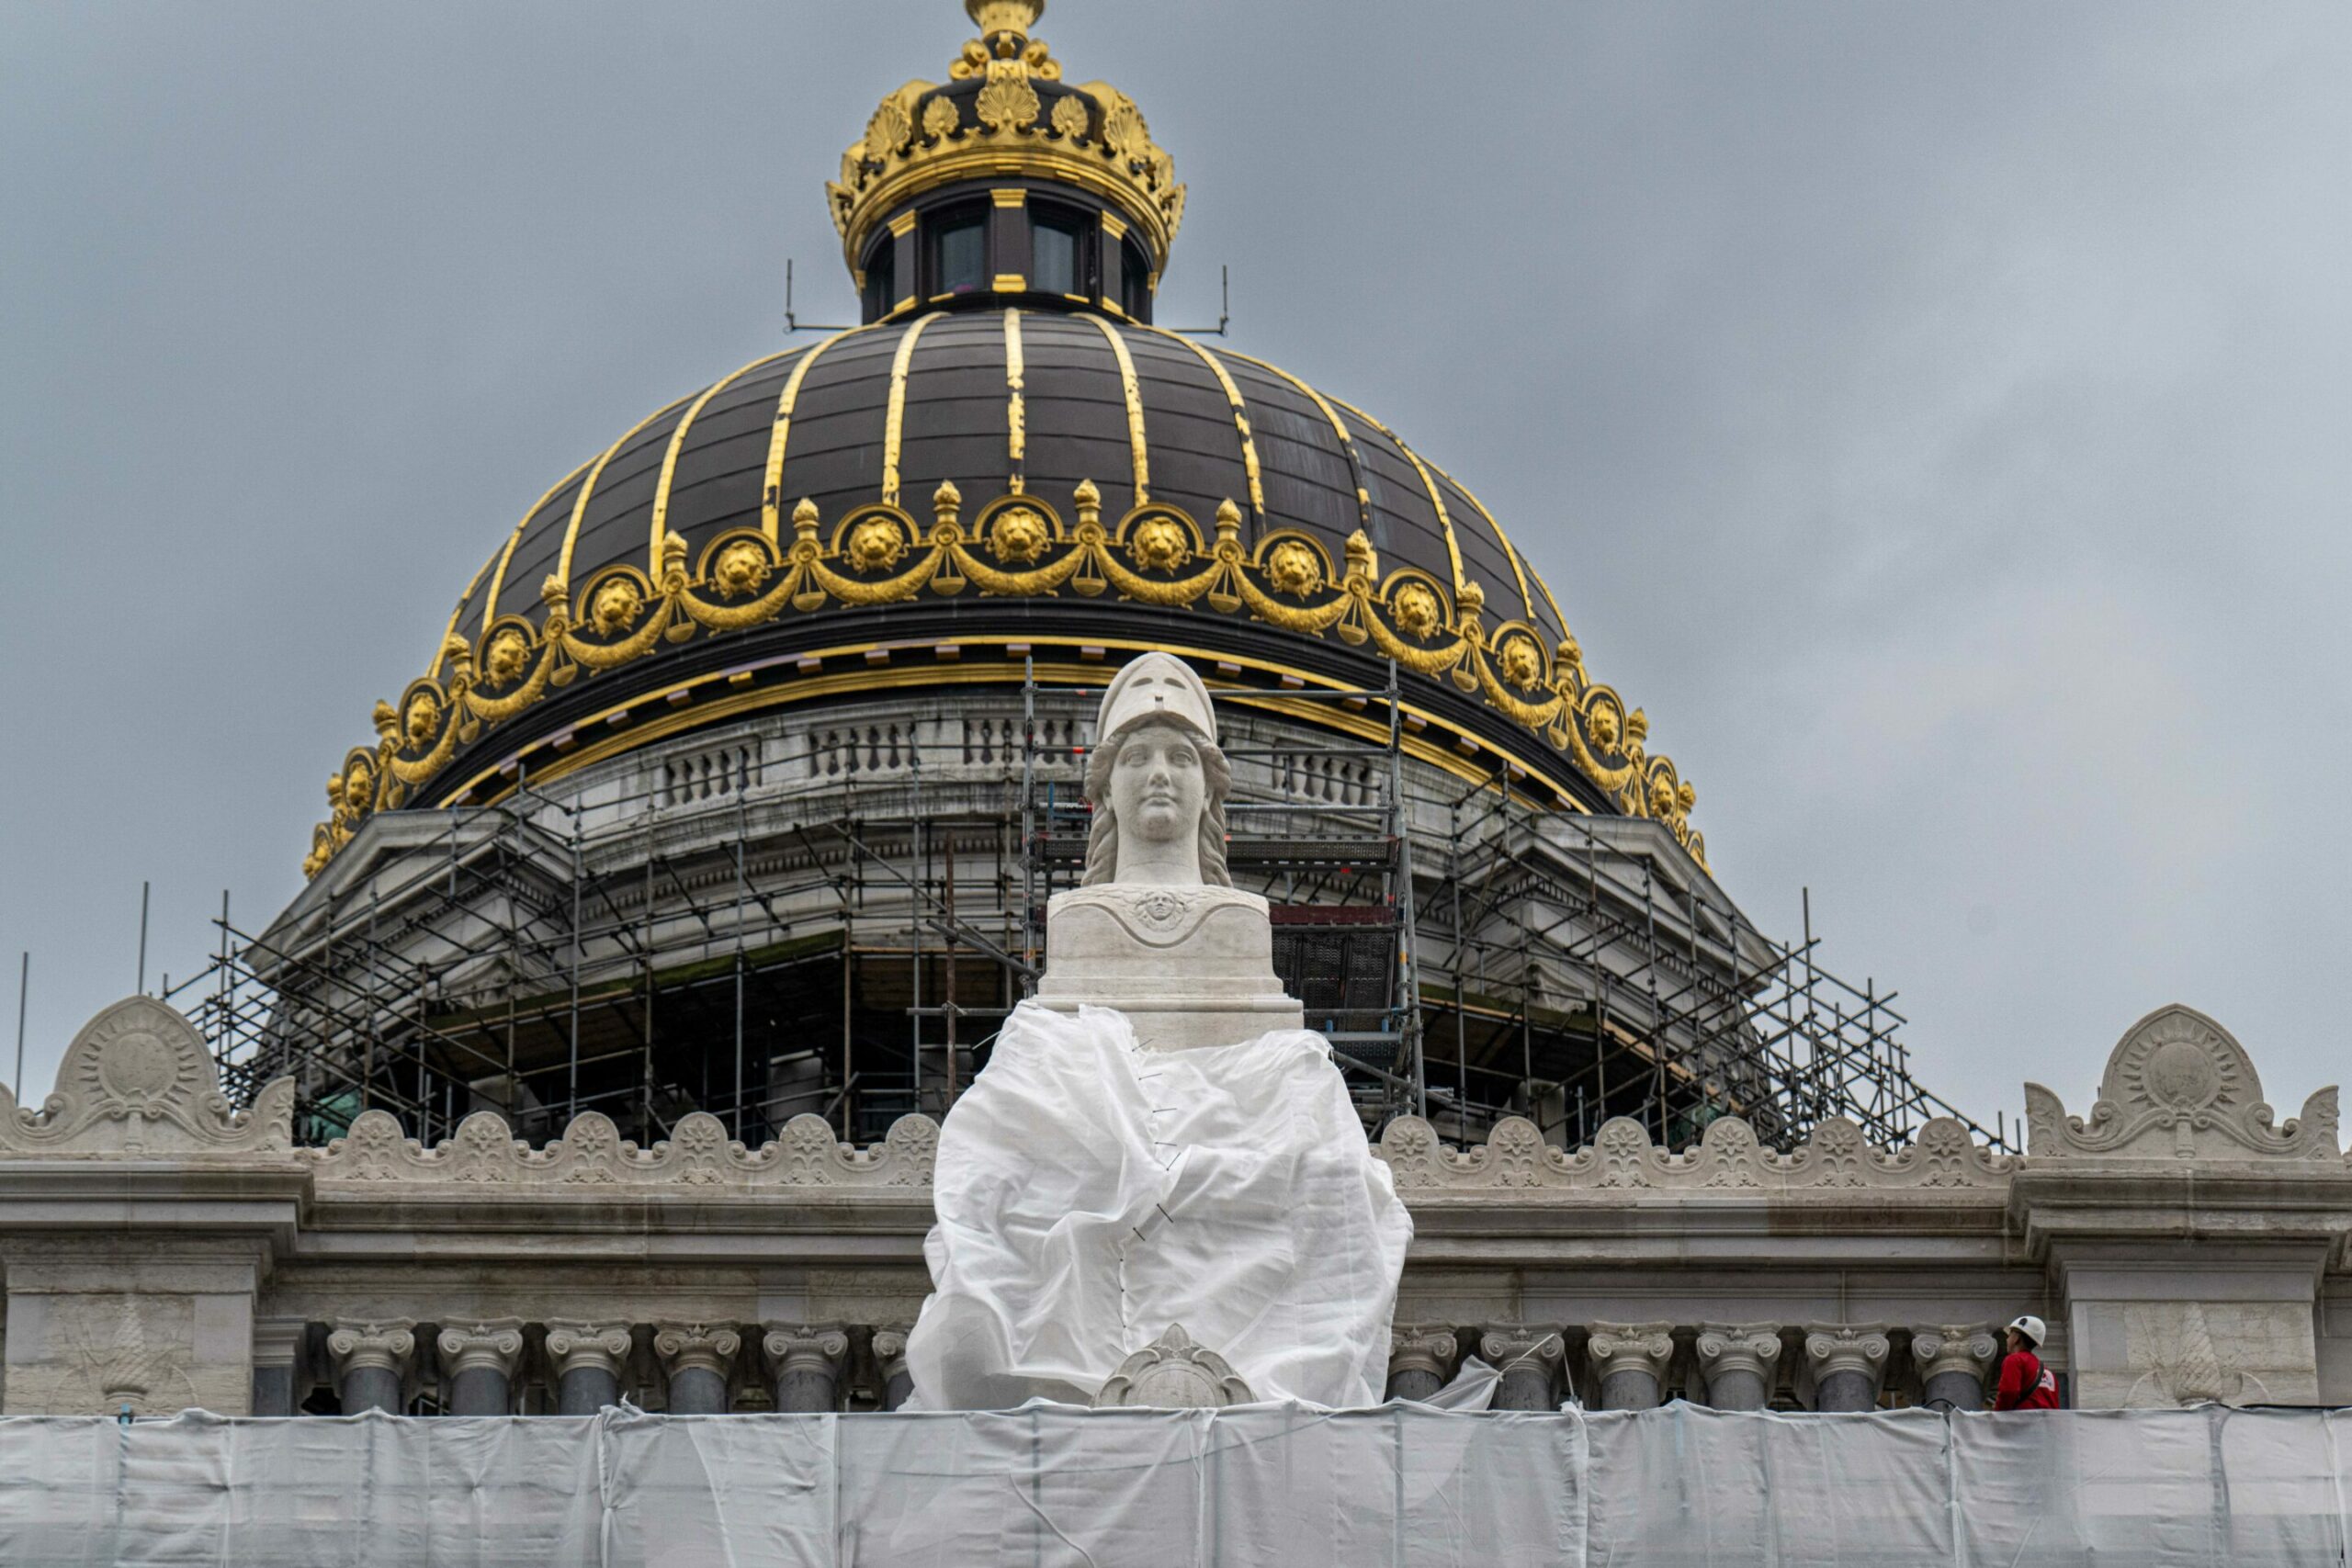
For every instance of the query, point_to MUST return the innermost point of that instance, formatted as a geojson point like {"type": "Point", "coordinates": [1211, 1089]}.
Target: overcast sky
{"type": "Point", "coordinates": [1935, 415]}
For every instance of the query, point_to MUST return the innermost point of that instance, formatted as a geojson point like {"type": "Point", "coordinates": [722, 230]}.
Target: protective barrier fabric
{"type": "Point", "coordinates": [1257, 1487]}
{"type": "Point", "coordinates": [1090, 1192]}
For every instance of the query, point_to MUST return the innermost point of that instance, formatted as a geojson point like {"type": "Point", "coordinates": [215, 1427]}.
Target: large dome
{"type": "Point", "coordinates": [1005, 463]}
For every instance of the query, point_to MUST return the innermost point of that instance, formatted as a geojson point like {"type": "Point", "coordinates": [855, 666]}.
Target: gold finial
{"type": "Point", "coordinates": [994, 16]}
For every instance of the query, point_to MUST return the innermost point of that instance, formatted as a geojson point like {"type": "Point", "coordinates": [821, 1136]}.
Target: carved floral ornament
{"type": "Point", "coordinates": [485, 1155]}
{"type": "Point", "coordinates": [1004, 109]}
{"type": "Point", "coordinates": [1016, 547]}
{"type": "Point", "coordinates": [2178, 1086]}
{"type": "Point", "coordinates": [1729, 1161]}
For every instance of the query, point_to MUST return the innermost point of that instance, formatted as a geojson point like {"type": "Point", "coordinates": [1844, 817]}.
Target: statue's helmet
{"type": "Point", "coordinates": [1156, 686]}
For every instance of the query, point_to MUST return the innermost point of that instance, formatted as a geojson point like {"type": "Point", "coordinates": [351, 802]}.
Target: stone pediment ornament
{"type": "Point", "coordinates": [138, 1080]}
{"type": "Point", "coordinates": [2178, 1086]}
{"type": "Point", "coordinates": [1173, 1373]}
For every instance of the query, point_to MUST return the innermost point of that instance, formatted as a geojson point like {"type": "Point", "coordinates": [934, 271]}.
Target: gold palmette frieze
{"type": "Point", "coordinates": [1016, 546]}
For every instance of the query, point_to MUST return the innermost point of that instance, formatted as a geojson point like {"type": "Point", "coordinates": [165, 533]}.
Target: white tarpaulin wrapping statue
{"type": "Point", "coordinates": [1159, 1184]}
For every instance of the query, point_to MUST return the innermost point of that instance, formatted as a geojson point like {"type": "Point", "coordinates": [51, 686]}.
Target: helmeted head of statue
{"type": "Point", "coordinates": [1156, 781]}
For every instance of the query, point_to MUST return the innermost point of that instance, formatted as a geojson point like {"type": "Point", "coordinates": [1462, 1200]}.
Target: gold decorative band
{"type": "Point", "coordinates": [877, 555]}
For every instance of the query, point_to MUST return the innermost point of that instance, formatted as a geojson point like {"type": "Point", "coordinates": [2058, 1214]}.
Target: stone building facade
{"type": "Point", "coordinates": [164, 1250]}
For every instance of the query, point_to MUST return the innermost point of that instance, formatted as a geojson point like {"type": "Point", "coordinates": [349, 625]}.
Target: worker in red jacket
{"type": "Point", "coordinates": [2025, 1383]}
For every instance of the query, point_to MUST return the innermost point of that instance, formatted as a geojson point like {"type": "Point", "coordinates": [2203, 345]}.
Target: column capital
{"type": "Point", "coordinates": [588, 1347]}
{"type": "Point", "coordinates": [1644, 1348]}
{"type": "Point", "coordinates": [820, 1348]}
{"type": "Point", "coordinates": [1939, 1348]}
{"type": "Point", "coordinates": [1531, 1345]}
{"type": "Point", "coordinates": [483, 1345]}
{"type": "Point", "coordinates": [1421, 1347]}
{"type": "Point", "coordinates": [890, 1350]}
{"type": "Point", "coordinates": [1731, 1347]}
{"type": "Point", "coordinates": [371, 1345]}
{"type": "Point", "coordinates": [696, 1347]}
{"type": "Point", "coordinates": [1837, 1349]}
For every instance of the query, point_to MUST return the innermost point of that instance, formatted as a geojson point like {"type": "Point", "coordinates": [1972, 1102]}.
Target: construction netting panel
{"type": "Point", "coordinates": [1263, 1486]}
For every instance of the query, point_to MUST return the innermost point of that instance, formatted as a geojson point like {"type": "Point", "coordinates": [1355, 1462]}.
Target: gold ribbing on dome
{"type": "Point", "coordinates": [677, 445]}
{"type": "Point", "coordinates": [1511, 550]}
{"type": "Point", "coordinates": [441, 654]}
{"type": "Point", "coordinates": [1240, 418]}
{"type": "Point", "coordinates": [588, 487]}
{"type": "Point", "coordinates": [1138, 447]}
{"type": "Point", "coordinates": [771, 491]}
{"type": "Point", "coordinates": [1339, 428]}
{"type": "Point", "coordinates": [895, 426]}
{"type": "Point", "coordinates": [1429, 483]}
{"type": "Point", "coordinates": [1016, 415]}
{"type": "Point", "coordinates": [498, 581]}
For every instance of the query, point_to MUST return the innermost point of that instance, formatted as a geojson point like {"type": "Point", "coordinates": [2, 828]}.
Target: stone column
{"type": "Point", "coordinates": [890, 1359]}
{"type": "Point", "coordinates": [1739, 1362]}
{"type": "Point", "coordinates": [371, 1361]}
{"type": "Point", "coordinates": [479, 1359]}
{"type": "Point", "coordinates": [587, 1359]}
{"type": "Point", "coordinates": [1629, 1361]}
{"type": "Point", "coordinates": [1953, 1361]}
{"type": "Point", "coordinates": [1531, 1358]}
{"type": "Point", "coordinates": [1419, 1360]}
{"type": "Point", "coordinates": [1845, 1363]}
{"type": "Point", "coordinates": [278, 1353]}
{"type": "Point", "coordinates": [698, 1359]}
{"type": "Point", "coordinates": [807, 1361]}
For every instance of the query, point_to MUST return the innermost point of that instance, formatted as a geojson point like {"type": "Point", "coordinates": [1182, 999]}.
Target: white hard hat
{"type": "Point", "coordinates": [2033, 1327]}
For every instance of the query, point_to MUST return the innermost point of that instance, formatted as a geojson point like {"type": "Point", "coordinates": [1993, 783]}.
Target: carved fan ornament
{"type": "Point", "coordinates": [138, 1080]}
{"type": "Point", "coordinates": [2179, 1086]}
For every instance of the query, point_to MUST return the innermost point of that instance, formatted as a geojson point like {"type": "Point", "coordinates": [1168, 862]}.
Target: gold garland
{"type": "Point", "coordinates": [1017, 547]}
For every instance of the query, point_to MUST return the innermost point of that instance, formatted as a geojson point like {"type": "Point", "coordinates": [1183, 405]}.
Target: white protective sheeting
{"type": "Point", "coordinates": [1090, 1192]}
{"type": "Point", "coordinates": [1257, 1486]}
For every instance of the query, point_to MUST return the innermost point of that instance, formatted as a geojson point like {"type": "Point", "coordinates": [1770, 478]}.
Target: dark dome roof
{"type": "Point", "coordinates": [794, 506]}
{"type": "Point", "coordinates": [1288, 456]}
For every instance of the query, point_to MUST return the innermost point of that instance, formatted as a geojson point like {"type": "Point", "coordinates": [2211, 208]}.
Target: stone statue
{"type": "Point", "coordinates": [1157, 1191]}
{"type": "Point", "coordinates": [1156, 929]}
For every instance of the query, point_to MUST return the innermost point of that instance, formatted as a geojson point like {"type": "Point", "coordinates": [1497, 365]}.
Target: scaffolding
{"type": "Point", "coordinates": [845, 948]}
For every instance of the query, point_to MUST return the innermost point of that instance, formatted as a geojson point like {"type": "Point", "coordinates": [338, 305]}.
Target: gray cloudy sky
{"type": "Point", "coordinates": [1936, 415]}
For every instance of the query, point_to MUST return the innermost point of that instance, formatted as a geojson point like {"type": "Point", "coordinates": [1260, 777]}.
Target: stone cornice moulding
{"type": "Point", "coordinates": [1728, 1162]}
{"type": "Point", "coordinates": [138, 1083]}
{"type": "Point", "coordinates": [2179, 1087]}
{"type": "Point", "coordinates": [698, 1157]}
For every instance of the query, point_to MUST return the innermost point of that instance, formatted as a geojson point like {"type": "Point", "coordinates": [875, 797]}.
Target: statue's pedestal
{"type": "Point", "coordinates": [1188, 966]}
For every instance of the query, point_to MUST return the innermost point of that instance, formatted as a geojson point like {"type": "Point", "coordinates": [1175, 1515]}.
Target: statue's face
{"type": "Point", "coordinates": [1158, 785]}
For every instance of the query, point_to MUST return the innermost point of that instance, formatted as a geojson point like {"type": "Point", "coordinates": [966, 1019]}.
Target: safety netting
{"type": "Point", "coordinates": [1280, 1486]}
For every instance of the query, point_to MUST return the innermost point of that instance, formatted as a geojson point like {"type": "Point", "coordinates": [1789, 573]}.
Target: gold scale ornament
{"type": "Point", "coordinates": [1017, 547]}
